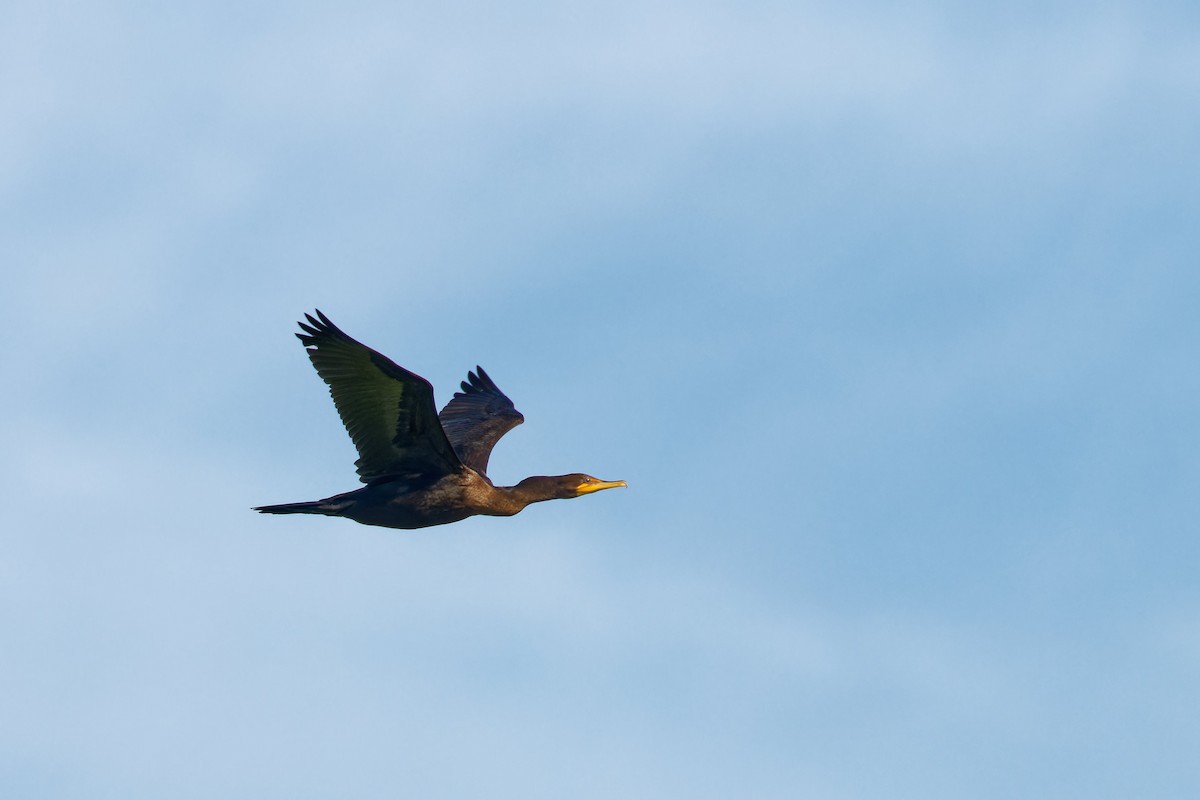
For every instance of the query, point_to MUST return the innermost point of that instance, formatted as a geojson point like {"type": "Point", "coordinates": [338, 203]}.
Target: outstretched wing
{"type": "Point", "coordinates": [387, 410]}
{"type": "Point", "coordinates": [476, 418]}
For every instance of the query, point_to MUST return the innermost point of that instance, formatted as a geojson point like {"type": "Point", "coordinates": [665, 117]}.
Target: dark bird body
{"type": "Point", "coordinates": [421, 468]}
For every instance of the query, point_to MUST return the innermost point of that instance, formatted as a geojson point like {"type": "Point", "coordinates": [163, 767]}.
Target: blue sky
{"type": "Point", "coordinates": [886, 314]}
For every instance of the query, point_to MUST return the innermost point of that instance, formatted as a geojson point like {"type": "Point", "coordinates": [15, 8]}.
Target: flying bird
{"type": "Point", "coordinates": [421, 468]}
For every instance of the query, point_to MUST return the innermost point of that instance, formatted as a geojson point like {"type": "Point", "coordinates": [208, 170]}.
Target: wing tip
{"type": "Point", "coordinates": [316, 327]}
{"type": "Point", "coordinates": [478, 382]}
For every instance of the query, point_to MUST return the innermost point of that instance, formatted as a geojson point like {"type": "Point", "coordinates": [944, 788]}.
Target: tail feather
{"type": "Point", "coordinates": [315, 507]}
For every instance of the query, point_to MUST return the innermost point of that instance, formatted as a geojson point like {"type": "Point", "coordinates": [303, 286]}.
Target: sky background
{"type": "Point", "coordinates": [887, 314]}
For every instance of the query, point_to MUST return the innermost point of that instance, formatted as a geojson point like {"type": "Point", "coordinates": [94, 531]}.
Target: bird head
{"type": "Point", "coordinates": [580, 484]}
{"type": "Point", "coordinates": [563, 487]}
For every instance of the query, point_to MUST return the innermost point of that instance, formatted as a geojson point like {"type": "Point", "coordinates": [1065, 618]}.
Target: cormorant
{"type": "Point", "coordinates": [420, 468]}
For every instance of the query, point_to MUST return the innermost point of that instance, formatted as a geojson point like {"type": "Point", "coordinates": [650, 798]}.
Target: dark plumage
{"type": "Point", "coordinates": [420, 468]}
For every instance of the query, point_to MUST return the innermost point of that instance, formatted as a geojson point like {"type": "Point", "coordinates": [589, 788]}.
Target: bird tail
{"type": "Point", "coordinates": [315, 507]}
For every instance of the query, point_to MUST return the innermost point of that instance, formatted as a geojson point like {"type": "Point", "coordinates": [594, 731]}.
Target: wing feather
{"type": "Point", "coordinates": [388, 411]}
{"type": "Point", "coordinates": [476, 418]}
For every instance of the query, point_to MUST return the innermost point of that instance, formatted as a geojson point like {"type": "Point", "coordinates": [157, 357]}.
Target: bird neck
{"type": "Point", "coordinates": [532, 490]}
